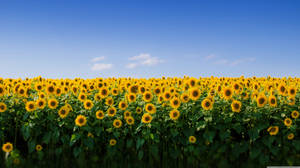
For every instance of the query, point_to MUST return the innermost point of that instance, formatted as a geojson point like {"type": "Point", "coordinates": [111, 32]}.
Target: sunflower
{"type": "Point", "coordinates": [30, 106]}
{"type": "Point", "coordinates": [80, 120]}
{"type": "Point", "coordinates": [142, 89]}
{"type": "Point", "coordinates": [104, 92]}
{"type": "Point", "coordinates": [290, 136]}
{"type": "Point", "coordinates": [291, 101]}
{"type": "Point", "coordinates": [109, 101]}
{"type": "Point", "coordinates": [227, 93]}
{"type": "Point", "coordinates": [97, 97]}
{"type": "Point", "coordinates": [22, 91]}
{"type": "Point", "coordinates": [282, 89]}
{"type": "Point", "coordinates": [38, 147]}
{"type": "Point", "coordinates": [273, 130]}
{"type": "Point", "coordinates": [100, 114]}
{"type": "Point", "coordinates": [167, 95]}
{"type": "Point", "coordinates": [41, 103]}
{"type": "Point", "coordinates": [207, 104]}
{"type": "Point", "coordinates": [194, 93]}
{"type": "Point", "coordinates": [288, 122]}
{"type": "Point", "coordinates": [63, 112]}
{"type": "Point", "coordinates": [292, 91]}
{"type": "Point", "coordinates": [261, 100]}
{"type": "Point", "coordinates": [130, 120]}
{"type": "Point", "coordinates": [150, 108]}
{"type": "Point", "coordinates": [123, 105]}
{"type": "Point", "coordinates": [192, 82]}
{"type": "Point", "coordinates": [174, 114]}
{"type": "Point", "coordinates": [50, 89]}
{"type": "Point", "coordinates": [52, 103]}
{"type": "Point", "coordinates": [133, 89]}
{"type": "Point", "coordinates": [184, 97]}
{"type": "Point", "coordinates": [245, 95]}
{"type": "Point", "coordinates": [112, 142]}
{"type": "Point", "coordinates": [236, 106]}
{"type": "Point", "coordinates": [42, 95]}
{"type": "Point", "coordinates": [127, 114]}
{"type": "Point", "coordinates": [111, 111]}
{"type": "Point", "coordinates": [117, 123]}
{"type": "Point", "coordinates": [88, 104]}
{"type": "Point", "coordinates": [114, 91]}
{"type": "Point", "coordinates": [3, 107]}
{"type": "Point", "coordinates": [272, 101]}
{"type": "Point", "coordinates": [146, 118]}
{"type": "Point", "coordinates": [157, 90]}
{"type": "Point", "coordinates": [295, 114]}
{"type": "Point", "coordinates": [2, 90]}
{"type": "Point", "coordinates": [175, 102]}
{"type": "Point", "coordinates": [82, 97]}
{"type": "Point", "coordinates": [74, 90]}
{"type": "Point", "coordinates": [131, 97]}
{"type": "Point", "coordinates": [138, 110]}
{"type": "Point", "coordinates": [192, 139]}
{"type": "Point", "coordinates": [7, 147]}
{"type": "Point", "coordinates": [147, 96]}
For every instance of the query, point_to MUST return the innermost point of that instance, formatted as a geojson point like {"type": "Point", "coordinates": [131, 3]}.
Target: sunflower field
{"type": "Point", "coordinates": [155, 122]}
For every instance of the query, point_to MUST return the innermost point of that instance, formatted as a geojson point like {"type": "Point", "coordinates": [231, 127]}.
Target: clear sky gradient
{"type": "Point", "coordinates": [147, 38]}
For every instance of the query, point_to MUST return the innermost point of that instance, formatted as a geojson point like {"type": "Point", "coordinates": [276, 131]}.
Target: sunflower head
{"type": "Point", "coordinates": [146, 118]}
{"type": "Point", "coordinates": [273, 130]}
{"type": "Point", "coordinates": [207, 104]}
{"type": "Point", "coordinates": [88, 104]}
{"type": "Point", "coordinates": [63, 112]}
{"type": "Point", "coordinates": [38, 147]}
{"type": "Point", "coordinates": [80, 120]}
{"type": "Point", "coordinates": [112, 142]}
{"type": "Point", "coordinates": [7, 147]}
{"type": "Point", "coordinates": [52, 103]}
{"type": "Point", "coordinates": [123, 105]}
{"type": "Point", "coordinates": [3, 107]}
{"type": "Point", "coordinates": [295, 114]}
{"type": "Point", "coordinates": [290, 136]}
{"type": "Point", "coordinates": [272, 101]}
{"type": "Point", "coordinates": [130, 120]}
{"type": "Point", "coordinates": [175, 102]}
{"type": "Point", "coordinates": [194, 93]}
{"type": "Point", "coordinates": [30, 106]}
{"type": "Point", "coordinates": [261, 100]}
{"type": "Point", "coordinates": [147, 96]}
{"type": "Point", "coordinates": [100, 114]}
{"type": "Point", "coordinates": [111, 111]}
{"type": "Point", "coordinates": [150, 108]}
{"type": "Point", "coordinates": [117, 123]}
{"type": "Point", "coordinates": [236, 106]}
{"type": "Point", "coordinates": [138, 110]}
{"type": "Point", "coordinates": [288, 122]}
{"type": "Point", "coordinates": [174, 114]}
{"type": "Point", "coordinates": [131, 97]}
{"type": "Point", "coordinates": [192, 139]}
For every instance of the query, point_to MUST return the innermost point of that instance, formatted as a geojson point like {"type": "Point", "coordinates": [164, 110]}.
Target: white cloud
{"type": "Point", "coordinates": [143, 59]}
{"type": "Point", "coordinates": [221, 62]}
{"type": "Point", "coordinates": [211, 56]}
{"type": "Point", "coordinates": [240, 61]}
{"type": "Point", "coordinates": [96, 59]}
{"type": "Point", "coordinates": [101, 66]}
{"type": "Point", "coordinates": [131, 65]}
{"type": "Point", "coordinates": [142, 56]}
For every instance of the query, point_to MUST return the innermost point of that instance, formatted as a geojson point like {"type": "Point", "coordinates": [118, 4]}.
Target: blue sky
{"type": "Point", "coordinates": [143, 38]}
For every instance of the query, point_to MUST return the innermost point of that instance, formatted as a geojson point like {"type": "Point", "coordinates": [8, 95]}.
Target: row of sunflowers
{"type": "Point", "coordinates": [163, 122]}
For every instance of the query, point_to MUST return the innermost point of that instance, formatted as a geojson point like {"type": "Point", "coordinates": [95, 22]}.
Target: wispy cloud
{"type": "Point", "coordinates": [96, 59]}
{"type": "Point", "coordinates": [210, 56]}
{"type": "Point", "coordinates": [143, 59]}
{"type": "Point", "coordinates": [229, 62]}
{"type": "Point", "coordinates": [101, 66]}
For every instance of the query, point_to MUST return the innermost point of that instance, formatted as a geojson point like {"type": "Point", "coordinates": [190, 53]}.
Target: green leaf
{"type": "Point", "coordinates": [77, 151]}
{"type": "Point", "coordinates": [31, 146]}
{"type": "Point", "coordinates": [140, 155]}
{"type": "Point", "coordinates": [209, 135]}
{"type": "Point", "coordinates": [140, 142]}
{"type": "Point", "coordinates": [46, 137]}
{"type": "Point", "coordinates": [74, 138]}
{"type": "Point", "coordinates": [129, 143]}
